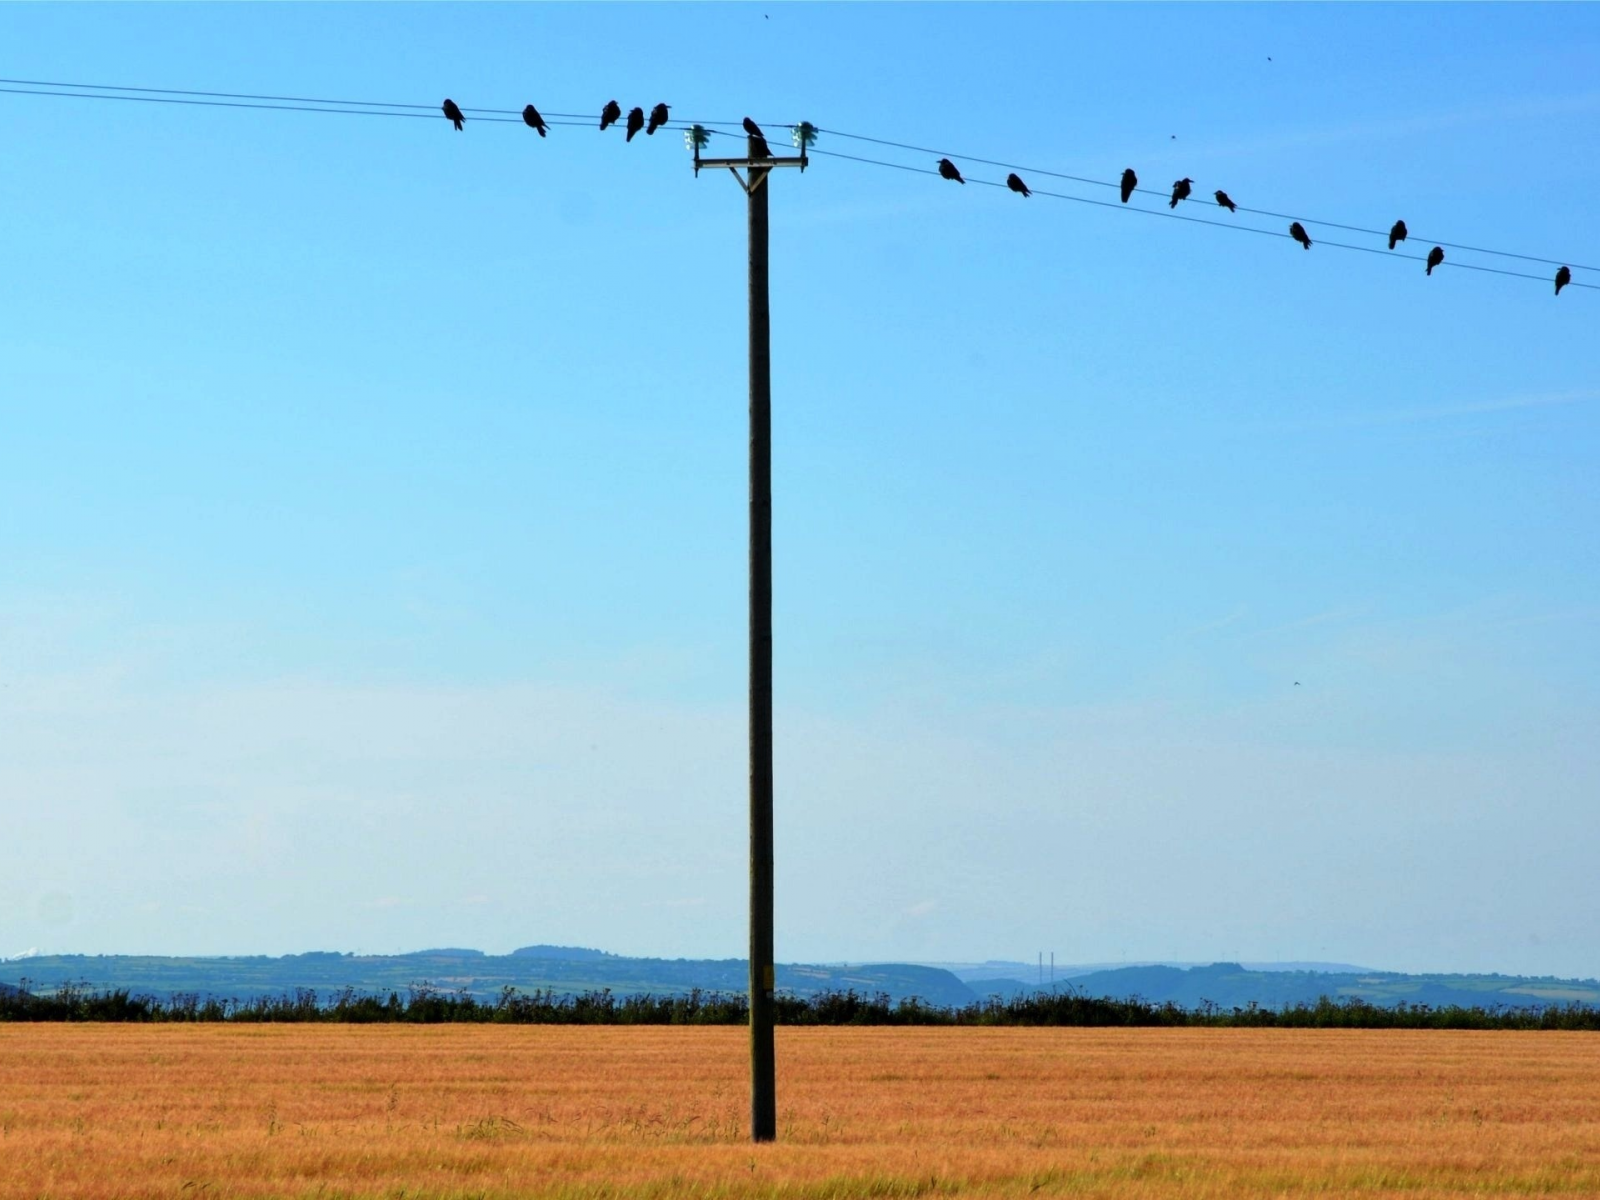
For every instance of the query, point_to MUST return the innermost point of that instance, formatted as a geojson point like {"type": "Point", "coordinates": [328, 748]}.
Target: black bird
{"type": "Point", "coordinates": [531, 117]}
{"type": "Point", "coordinates": [658, 118]}
{"type": "Point", "coordinates": [1563, 277]}
{"type": "Point", "coordinates": [1014, 182]}
{"type": "Point", "coordinates": [635, 122]}
{"type": "Point", "coordinates": [760, 150]}
{"type": "Point", "coordinates": [611, 112]}
{"type": "Point", "coordinates": [1180, 191]}
{"type": "Point", "coordinates": [948, 170]}
{"type": "Point", "coordinates": [453, 112]}
{"type": "Point", "coordinates": [1129, 182]}
{"type": "Point", "coordinates": [1397, 233]}
{"type": "Point", "coordinates": [754, 130]}
{"type": "Point", "coordinates": [1298, 232]}
{"type": "Point", "coordinates": [1435, 257]}
{"type": "Point", "coordinates": [1222, 199]}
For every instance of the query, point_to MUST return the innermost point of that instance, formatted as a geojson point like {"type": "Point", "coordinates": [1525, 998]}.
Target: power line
{"type": "Point", "coordinates": [348, 112]}
{"type": "Point", "coordinates": [1260, 212]}
{"type": "Point", "coordinates": [1177, 216]}
{"type": "Point", "coordinates": [421, 110]}
{"type": "Point", "coordinates": [430, 111]}
{"type": "Point", "coordinates": [386, 108]}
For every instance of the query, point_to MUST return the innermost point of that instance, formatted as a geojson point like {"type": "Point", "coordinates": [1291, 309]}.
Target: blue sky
{"type": "Point", "coordinates": [372, 495]}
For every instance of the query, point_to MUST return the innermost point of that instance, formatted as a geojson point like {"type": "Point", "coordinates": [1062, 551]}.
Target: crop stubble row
{"type": "Point", "coordinates": [99, 1111]}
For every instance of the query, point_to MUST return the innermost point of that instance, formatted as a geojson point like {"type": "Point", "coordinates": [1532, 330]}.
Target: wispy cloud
{"type": "Point", "coordinates": [1321, 618]}
{"type": "Point", "coordinates": [1232, 618]}
{"type": "Point", "coordinates": [1584, 612]}
{"type": "Point", "coordinates": [1439, 412]}
{"type": "Point", "coordinates": [1423, 414]}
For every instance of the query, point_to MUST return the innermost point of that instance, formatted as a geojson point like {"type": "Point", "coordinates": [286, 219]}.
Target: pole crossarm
{"type": "Point", "coordinates": [751, 165]}
{"type": "Point", "coordinates": [801, 161]}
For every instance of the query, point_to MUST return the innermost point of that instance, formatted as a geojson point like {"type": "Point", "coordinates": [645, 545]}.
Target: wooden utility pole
{"type": "Point", "coordinates": [763, 1072]}
{"type": "Point", "coordinates": [763, 1084]}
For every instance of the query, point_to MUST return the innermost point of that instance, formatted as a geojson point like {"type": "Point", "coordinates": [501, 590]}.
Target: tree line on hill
{"type": "Point", "coordinates": [426, 1005]}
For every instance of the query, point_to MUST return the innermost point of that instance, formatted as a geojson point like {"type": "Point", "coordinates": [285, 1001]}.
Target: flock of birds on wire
{"type": "Point", "coordinates": [609, 116]}
{"type": "Point", "coordinates": [1181, 189]}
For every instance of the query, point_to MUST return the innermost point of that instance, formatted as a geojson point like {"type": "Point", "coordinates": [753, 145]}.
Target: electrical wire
{"type": "Point", "coordinates": [1177, 216]}
{"type": "Point", "coordinates": [339, 105]}
{"type": "Point", "coordinates": [385, 108]}
{"type": "Point", "coordinates": [1260, 212]}
{"type": "Point", "coordinates": [429, 113]}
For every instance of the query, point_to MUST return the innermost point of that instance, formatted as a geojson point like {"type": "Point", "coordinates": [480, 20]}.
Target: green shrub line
{"type": "Point", "coordinates": [424, 1004]}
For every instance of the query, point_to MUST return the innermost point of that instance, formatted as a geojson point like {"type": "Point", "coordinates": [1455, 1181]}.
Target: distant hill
{"type": "Point", "coordinates": [571, 970]}
{"type": "Point", "coordinates": [562, 953]}
{"type": "Point", "coordinates": [564, 970]}
{"type": "Point", "coordinates": [1233, 985]}
{"type": "Point", "coordinates": [443, 952]}
{"type": "Point", "coordinates": [998, 968]}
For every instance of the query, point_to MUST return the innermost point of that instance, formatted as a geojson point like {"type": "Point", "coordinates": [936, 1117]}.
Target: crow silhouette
{"type": "Point", "coordinates": [635, 122]}
{"type": "Point", "coordinates": [1222, 199]}
{"type": "Point", "coordinates": [948, 170]}
{"type": "Point", "coordinates": [531, 117]}
{"type": "Point", "coordinates": [1298, 232]}
{"type": "Point", "coordinates": [1435, 257]}
{"type": "Point", "coordinates": [1563, 277]}
{"type": "Point", "coordinates": [453, 112]}
{"type": "Point", "coordinates": [1180, 191]}
{"type": "Point", "coordinates": [1014, 182]}
{"type": "Point", "coordinates": [1397, 233]}
{"type": "Point", "coordinates": [658, 118]}
{"type": "Point", "coordinates": [1129, 182]}
{"type": "Point", "coordinates": [759, 149]}
{"type": "Point", "coordinates": [609, 114]}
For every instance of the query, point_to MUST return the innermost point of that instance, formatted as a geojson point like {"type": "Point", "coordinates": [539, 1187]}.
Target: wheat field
{"type": "Point", "coordinates": [466, 1111]}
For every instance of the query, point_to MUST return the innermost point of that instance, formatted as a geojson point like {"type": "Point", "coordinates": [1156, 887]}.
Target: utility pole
{"type": "Point", "coordinates": [763, 1071]}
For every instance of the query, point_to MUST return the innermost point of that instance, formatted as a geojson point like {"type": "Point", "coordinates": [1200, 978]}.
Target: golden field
{"type": "Point", "coordinates": [458, 1111]}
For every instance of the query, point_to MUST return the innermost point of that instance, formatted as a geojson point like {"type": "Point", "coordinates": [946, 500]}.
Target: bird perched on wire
{"type": "Point", "coordinates": [1222, 200]}
{"type": "Point", "coordinates": [1298, 232]}
{"type": "Point", "coordinates": [635, 122]}
{"type": "Point", "coordinates": [609, 114]}
{"type": "Point", "coordinates": [531, 118]}
{"type": "Point", "coordinates": [1397, 233]}
{"type": "Point", "coordinates": [948, 170]}
{"type": "Point", "coordinates": [1563, 277]}
{"type": "Point", "coordinates": [453, 111]}
{"type": "Point", "coordinates": [1180, 191]}
{"type": "Point", "coordinates": [658, 118]}
{"type": "Point", "coordinates": [1014, 182]}
{"type": "Point", "coordinates": [1129, 182]}
{"type": "Point", "coordinates": [753, 130]}
{"type": "Point", "coordinates": [1435, 257]}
